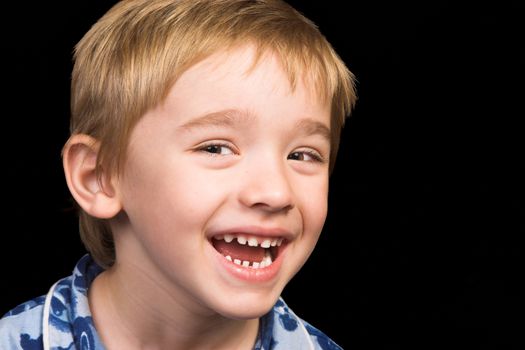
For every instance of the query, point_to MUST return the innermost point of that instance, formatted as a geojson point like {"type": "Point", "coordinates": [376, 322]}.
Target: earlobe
{"type": "Point", "coordinates": [96, 195]}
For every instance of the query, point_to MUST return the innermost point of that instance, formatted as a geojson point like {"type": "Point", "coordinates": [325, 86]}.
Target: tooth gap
{"type": "Point", "coordinates": [273, 252]}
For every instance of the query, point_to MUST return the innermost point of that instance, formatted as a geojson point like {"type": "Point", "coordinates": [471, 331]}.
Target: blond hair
{"type": "Point", "coordinates": [127, 62]}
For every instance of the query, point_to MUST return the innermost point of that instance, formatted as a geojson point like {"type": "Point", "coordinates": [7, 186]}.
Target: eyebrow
{"type": "Point", "coordinates": [232, 117]}
{"type": "Point", "coordinates": [310, 127]}
{"type": "Point", "coordinates": [224, 118]}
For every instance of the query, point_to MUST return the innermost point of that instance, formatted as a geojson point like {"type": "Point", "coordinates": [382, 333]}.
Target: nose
{"type": "Point", "coordinates": [266, 186]}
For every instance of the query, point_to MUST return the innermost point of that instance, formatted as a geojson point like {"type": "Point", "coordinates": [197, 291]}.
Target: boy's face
{"type": "Point", "coordinates": [232, 153]}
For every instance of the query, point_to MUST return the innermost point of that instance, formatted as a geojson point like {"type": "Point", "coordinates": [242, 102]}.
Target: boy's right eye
{"type": "Point", "coordinates": [216, 149]}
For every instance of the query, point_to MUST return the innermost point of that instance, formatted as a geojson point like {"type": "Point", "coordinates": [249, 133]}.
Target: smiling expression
{"type": "Point", "coordinates": [225, 185]}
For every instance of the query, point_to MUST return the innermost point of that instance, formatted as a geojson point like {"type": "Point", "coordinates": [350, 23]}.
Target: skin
{"type": "Point", "coordinates": [230, 147]}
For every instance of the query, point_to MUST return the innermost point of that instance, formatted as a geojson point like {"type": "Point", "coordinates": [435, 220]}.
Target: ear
{"type": "Point", "coordinates": [98, 196]}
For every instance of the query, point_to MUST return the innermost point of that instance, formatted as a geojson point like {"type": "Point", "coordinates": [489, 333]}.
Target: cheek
{"type": "Point", "coordinates": [170, 197]}
{"type": "Point", "coordinates": [316, 218]}
{"type": "Point", "coordinates": [314, 204]}
{"type": "Point", "coordinates": [168, 210]}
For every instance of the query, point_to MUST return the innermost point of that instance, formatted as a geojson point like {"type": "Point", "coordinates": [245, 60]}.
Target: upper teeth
{"type": "Point", "coordinates": [252, 241]}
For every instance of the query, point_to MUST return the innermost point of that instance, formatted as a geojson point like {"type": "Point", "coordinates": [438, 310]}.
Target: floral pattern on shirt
{"type": "Point", "coordinates": [71, 326]}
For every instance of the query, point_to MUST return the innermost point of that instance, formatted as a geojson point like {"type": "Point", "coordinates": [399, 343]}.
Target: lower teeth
{"type": "Point", "coordinates": [266, 261]}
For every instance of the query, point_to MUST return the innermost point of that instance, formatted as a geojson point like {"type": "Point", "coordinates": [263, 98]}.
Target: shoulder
{"type": "Point", "coordinates": [21, 328]}
{"type": "Point", "coordinates": [67, 314]}
{"type": "Point", "coordinates": [291, 332]}
{"type": "Point", "coordinates": [322, 339]}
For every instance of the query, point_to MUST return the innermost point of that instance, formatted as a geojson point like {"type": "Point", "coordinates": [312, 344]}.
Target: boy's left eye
{"type": "Point", "coordinates": [306, 156]}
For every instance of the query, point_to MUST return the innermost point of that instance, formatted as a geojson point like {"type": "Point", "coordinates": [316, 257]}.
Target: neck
{"type": "Point", "coordinates": [129, 316]}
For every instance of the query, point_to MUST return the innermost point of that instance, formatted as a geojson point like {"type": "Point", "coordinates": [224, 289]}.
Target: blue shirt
{"type": "Point", "coordinates": [63, 318]}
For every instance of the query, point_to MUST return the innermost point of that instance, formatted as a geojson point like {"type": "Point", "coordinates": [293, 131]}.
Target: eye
{"type": "Point", "coordinates": [306, 156]}
{"type": "Point", "coordinates": [216, 149]}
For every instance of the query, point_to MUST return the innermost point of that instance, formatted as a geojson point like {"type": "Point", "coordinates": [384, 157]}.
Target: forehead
{"type": "Point", "coordinates": [244, 79]}
{"type": "Point", "coordinates": [227, 93]}
{"type": "Point", "coordinates": [241, 61]}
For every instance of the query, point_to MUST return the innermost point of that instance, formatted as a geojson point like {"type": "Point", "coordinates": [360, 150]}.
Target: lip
{"type": "Point", "coordinates": [249, 274]}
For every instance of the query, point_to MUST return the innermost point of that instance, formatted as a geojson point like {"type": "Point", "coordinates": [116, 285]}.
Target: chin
{"type": "Point", "coordinates": [248, 306]}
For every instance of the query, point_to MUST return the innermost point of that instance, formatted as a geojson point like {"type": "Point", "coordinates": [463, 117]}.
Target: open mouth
{"type": "Point", "coordinates": [248, 251]}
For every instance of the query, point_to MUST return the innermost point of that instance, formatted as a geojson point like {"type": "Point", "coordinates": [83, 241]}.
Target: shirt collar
{"type": "Point", "coordinates": [71, 322]}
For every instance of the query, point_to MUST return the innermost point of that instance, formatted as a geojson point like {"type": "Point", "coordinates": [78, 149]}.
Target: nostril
{"type": "Point", "coordinates": [273, 208]}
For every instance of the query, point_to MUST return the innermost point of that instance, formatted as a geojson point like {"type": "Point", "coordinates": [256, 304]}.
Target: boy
{"type": "Point", "coordinates": [202, 138]}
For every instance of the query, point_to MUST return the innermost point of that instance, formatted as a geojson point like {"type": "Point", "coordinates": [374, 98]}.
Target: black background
{"type": "Point", "coordinates": [422, 244]}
